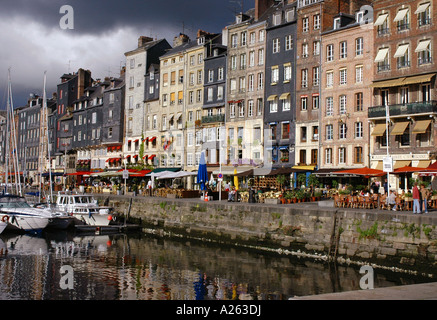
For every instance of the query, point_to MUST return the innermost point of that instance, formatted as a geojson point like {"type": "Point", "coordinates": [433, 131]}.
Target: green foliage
{"type": "Point", "coordinates": [371, 233]}
{"type": "Point", "coordinates": [301, 179]}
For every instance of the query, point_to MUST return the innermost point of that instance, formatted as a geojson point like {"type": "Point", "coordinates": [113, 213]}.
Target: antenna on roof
{"type": "Point", "coordinates": [69, 65]}
{"type": "Point", "coordinates": [240, 3]}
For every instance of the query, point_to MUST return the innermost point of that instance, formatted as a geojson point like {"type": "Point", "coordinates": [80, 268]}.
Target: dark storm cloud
{"type": "Point", "coordinates": [97, 16]}
{"type": "Point", "coordinates": [33, 41]}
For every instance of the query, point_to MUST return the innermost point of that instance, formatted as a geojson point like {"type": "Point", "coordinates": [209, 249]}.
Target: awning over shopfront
{"type": "Point", "coordinates": [403, 81]}
{"type": "Point", "coordinates": [365, 172]}
{"type": "Point", "coordinates": [418, 79]}
{"type": "Point", "coordinates": [406, 169]}
{"type": "Point", "coordinates": [431, 170]}
{"type": "Point", "coordinates": [401, 163]}
{"type": "Point", "coordinates": [305, 168]}
{"type": "Point", "coordinates": [80, 173]}
{"type": "Point", "coordinates": [388, 83]}
{"type": "Point", "coordinates": [424, 164]}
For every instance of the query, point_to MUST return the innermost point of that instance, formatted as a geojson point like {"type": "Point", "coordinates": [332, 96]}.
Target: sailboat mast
{"type": "Point", "coordinates": [47, 140]}
{"type": "Point", "coordinates": [14, 142]}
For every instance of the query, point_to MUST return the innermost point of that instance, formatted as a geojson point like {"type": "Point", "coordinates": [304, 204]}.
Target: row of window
{"type": "Point", "coordinates": [240, 83]}
{"type": "Point", "coordinates": [343, 49]}
{"type": "Point", "coordinates": [343, 76]}
{"type": "Point", "coordinates": [342, 131]}
{"type": "Point", "coordinates": [239, 108]}
{"type": "Point", "coordinates": [403, 95]}
{"type": "Point", "coordinates": [243, 60]}
{"type": "Point", "coordinates": [402, 20]}
{"type": "Point", "coordinates": [342, 104]}
{"type": "Point", "coordinates": [358, 156]}
{"type": "Point", "coordinates": [403, 55]}
{"type": "Point", "coordinates": [241, 39]}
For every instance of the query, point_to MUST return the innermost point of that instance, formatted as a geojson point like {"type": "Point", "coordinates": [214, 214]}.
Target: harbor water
{"type": "Point", "coordinates": [136, 266]}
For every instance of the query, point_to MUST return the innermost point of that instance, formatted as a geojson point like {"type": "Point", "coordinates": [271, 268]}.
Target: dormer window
{"type": "Point", "coordinates": [201, 41]}
{"type": "Point", "coordinates": [359, 17]}
{"type": "Point", "coordinates": [289, 15]}
{"type": "Point", "coordinates": [277, 19]}
{"type": "Point", "coordinates": [337, 23]}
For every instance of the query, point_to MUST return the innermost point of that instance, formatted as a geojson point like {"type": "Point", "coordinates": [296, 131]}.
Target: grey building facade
{"type": "Point", "coordinates": [280, 89]}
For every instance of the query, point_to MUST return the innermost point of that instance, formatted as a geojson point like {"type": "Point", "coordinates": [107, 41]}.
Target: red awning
{"type": "Point", "coordinates": [362, 172]}
{"type": "Point", "coordinates": [142, 173]}
{"type": "Point", "coordinates": [80, 173]}
{"type": "Point", "coordinates": [407, 169]}
{"type": "Point", "coordinates": [432, 167]}
{"type": "Point", "coordinates": [128, 156]}
{"type": "Point", "coordinates": [152, 139]}
{"type": "Point", "coordinates": [136, 140]}
{"type": "Point", "coordinates": [152, 156]}
{"type": "Point", "coordinates": [135, 156]}
{"type": "Point", "coordinates": [109, 160]}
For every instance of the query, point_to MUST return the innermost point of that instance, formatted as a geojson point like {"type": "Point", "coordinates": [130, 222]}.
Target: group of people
{"type": "Point", "coordinates": [420, 199]}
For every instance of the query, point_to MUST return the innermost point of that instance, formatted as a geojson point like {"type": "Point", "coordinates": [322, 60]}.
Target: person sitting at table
{"type": "Point", "coordinates": [402, 195]}
{"type": "Point", "coordinates": [392, 200]}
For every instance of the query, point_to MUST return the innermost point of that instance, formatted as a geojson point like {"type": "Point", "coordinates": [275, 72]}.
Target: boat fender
{"type": "Point", "coordinates": [109, 217]}
{"type": "Point", "coordinates": [5, 218]}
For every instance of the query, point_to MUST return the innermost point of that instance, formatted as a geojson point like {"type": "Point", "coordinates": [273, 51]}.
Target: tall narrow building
{"type": "Point", "coordinates": [314, 17]}
{"type": "Point", "coordinates": [405, 68]}
{"type": "Point", "coordinates": [138, 62]}
{"type": "Point", "coordinates": [347, 73]}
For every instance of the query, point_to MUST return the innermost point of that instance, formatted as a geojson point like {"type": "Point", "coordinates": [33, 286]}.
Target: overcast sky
{"type": "Point", "coordinates": [32, 41]}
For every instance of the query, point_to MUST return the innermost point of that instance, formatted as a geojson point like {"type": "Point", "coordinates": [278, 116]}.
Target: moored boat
{"type": "Point", "coordinates": [85, 209]}
{"type": "Point", "coordinates": [19, 215]}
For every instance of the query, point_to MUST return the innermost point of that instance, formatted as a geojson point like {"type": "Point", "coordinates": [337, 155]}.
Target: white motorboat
{"type": "Point", "coordinates": [20, 215]}
{"type": "Point", "coordinates": [85, 209]}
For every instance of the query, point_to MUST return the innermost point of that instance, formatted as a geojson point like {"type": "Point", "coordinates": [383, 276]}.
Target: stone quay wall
{"type": "Point", "coordinates": [385, 238]}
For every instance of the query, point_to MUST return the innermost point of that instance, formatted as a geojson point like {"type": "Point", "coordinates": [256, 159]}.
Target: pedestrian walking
{"type": "Point", "coordinates": [424, 192]}
{"type": "Point", "coordinates": [416, 199]}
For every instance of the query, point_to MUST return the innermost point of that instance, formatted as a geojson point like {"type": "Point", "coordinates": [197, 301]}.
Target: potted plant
{"type": "Point", "coordinates": [288, 197]}
{"type": "Point", "coordinates": [434, 195]}
{"type": "Point", "coordinates": [280, 180]}
{"type": "Point", "coordinates": [318, 195]}
{"type": "Point", "coordinates": [299, 196]}
{"type": "Point", "coordinates": [301, 179]}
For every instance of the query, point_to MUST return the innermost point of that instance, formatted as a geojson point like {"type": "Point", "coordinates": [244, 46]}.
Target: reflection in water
{"type": "Point", "coordinates": [138, 267]}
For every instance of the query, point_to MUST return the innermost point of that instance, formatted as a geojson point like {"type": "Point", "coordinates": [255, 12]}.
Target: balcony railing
{"type": "Point", "coordinates": [404, 109]}
{"type": "Point", "coordinates": [214, 118]}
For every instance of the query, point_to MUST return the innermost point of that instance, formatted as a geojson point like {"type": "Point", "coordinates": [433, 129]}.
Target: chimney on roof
{"type": "Point", "coordinates": [180, 40]}
{"type": "Point", "coordinates": [143, 40]}
{"type": "Point", "coordinates": [261, 7]}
